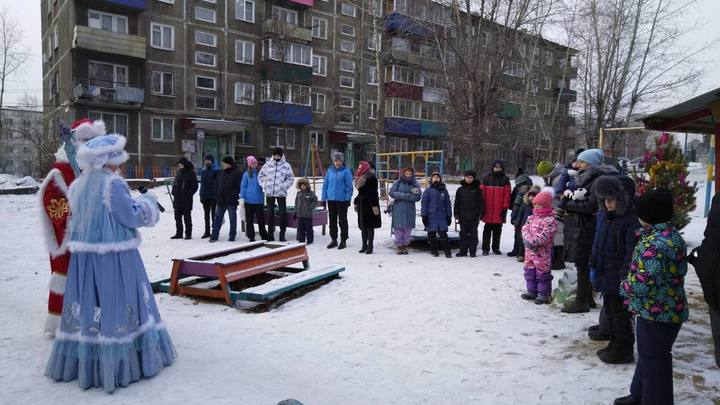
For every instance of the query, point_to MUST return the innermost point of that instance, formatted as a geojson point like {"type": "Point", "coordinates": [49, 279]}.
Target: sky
{"type": "Point", "coordinates": [704, 16]}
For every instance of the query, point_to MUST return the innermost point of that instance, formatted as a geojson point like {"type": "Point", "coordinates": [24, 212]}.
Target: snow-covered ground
{"type": "Point", "coordinates": [8, 181]}
{"type": "Point", "coordinates": [393, 330]}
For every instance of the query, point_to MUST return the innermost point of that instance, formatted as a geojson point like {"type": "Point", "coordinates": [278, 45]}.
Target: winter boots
{"type": "Point", "coordinates": [282, 235]}
{"type": "Point", "coordinates": [368, 235]}
{"type": "Point", "coordinates": [177, 236]}
{"type": "Point", "coordinates": [333, 244]}
{"type": "Point", "coordinates": [595, 334]}
{"type": "Point", "coordinates": [342, 244]}
{"type": "Point", "coordinates": [434, 244]}
{"type": "Point", "coordinates": [402, 250]}
{"type": "Point", "coordinates": [612, 354]}
{"type": "Point", "coordinates": [538, 286]}
{"type": "Point", "coordinates": [445, 243]}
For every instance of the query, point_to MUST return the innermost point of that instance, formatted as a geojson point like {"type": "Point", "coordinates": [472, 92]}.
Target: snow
{"type": "Point", "coordinates": [9, 181]}
{"type": "Point", "coordinates": [393, 330]}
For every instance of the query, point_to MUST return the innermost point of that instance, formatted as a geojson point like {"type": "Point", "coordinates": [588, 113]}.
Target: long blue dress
{"type": "Point", "coordinates": [110, 332]}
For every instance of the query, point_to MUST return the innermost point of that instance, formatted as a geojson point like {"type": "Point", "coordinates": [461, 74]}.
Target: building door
{"type": "Point", "coordinates": [211, 146]}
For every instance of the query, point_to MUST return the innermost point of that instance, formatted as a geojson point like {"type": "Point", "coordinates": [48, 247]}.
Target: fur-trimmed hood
{"type": "Point", "coordinates": [620, 188]}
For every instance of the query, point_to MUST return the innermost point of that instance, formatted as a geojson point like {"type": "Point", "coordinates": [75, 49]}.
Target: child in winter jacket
{"type": "Point", "coordinates": [405, 194]}
{"type": "Point", "coordinates": [305, 203]}
{"type": "Point", "coordinates": [655, 292]}
{"type": "Point", "coordinates": [538, 234]}
{"type": "Point", "coordinates": [523, 214]}
{"type": "Point", "coordinates": [522, 185]}
{"type": "Point", "coordinates": [436, 212]}
{"type": "Point", "coordinates": [468, 211]}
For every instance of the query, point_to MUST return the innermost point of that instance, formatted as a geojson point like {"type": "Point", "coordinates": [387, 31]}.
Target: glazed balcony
{"type": "Point", "coordinates": [133, 4]}
{"type": "Point", "coordinates": [402, 24]}
{"type": "Point", "coordinates": [102, 93]}
{"type": "Point", "coordinates": [566, 95]}
{"type": "Point", "coordinates": [284, 30]}
{"type": "Point", "coordinates": [402, 90]}
{"type": "Point", "coordinates": [286, 72]}
{"type": "Point", "coordinates": [412, 58]}
{"type": "Point", "coordinates": [285, 113]}
{"type": "Point", "coordinates": [98, 40]}
{"type": "Point", "coordinates": [509, 110]}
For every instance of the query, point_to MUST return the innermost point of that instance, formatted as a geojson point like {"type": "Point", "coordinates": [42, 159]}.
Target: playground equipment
{"type": "Point", "coordinates": [210, 275]}
{"type": "Point", "coordinates": [314, 163]}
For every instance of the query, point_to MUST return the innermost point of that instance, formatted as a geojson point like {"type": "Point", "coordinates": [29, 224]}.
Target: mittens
{"type": "Point", "coordinates": [580, 194]}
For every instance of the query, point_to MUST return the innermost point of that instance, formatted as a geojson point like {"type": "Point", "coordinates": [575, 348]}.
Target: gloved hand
{"type": "Point", "coordinates": [567, 194]}
{"type": "Point", "coordinates": [425, 220]}
{"type": "Point", "coordinates": [693, 255]}
{"type": "Point", "coordinates": [580, 194]}
{"type": "Point", "coordinates": [449, 219]}
{"type": "Point", "coordinates": [415, 190]}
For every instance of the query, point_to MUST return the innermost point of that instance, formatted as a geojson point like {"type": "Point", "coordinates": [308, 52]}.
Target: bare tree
{"type": "Point", "coordinates": [12, 53]}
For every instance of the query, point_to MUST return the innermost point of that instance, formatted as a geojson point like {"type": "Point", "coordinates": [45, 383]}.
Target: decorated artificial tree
{"type": "Point", "coordinates": [665, 168]}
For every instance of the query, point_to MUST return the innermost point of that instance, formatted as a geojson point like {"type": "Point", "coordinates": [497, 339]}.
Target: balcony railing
{"type": "Point", "coordinates": [103, 92]}
{"type": "Point", "coordinates": [413, 58]}
{"type": "Point", "coordinates": [134, 4]}
{"type": "Point", "coordinates": [566, 95]}
{"type": "Point", "coordinates": [283, 29]}
{"type": "Point", "coordinates": [95, 39]}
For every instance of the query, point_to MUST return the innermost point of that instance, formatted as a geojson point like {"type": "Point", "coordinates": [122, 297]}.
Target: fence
{"type": "Point", "coordinates": [146, 171]}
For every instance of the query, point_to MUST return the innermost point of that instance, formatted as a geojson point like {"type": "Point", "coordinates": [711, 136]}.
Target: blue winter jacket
{"type": "Point", "coordinates": [615, 240]}
{"type": "Point", "coordinates": [208, 177]}
{"type": "Point", "coordinates": [250, 189]}
{"type": "Point", "coordinates": [404, 200]}
{"type": "Point", "coordinates": [435, 205]}
{"type": "Point", "coordinates": [338, 185]}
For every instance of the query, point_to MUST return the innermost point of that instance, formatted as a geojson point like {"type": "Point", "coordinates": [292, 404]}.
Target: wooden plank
{"type": "Point", "coordinates": [238, 248]}
{"type": "Point", "coordinates": [202, 292]}
{"type": "Point", "coordinates": [279, 286]}
{"type": "Point", "coordinates": [257, 266]}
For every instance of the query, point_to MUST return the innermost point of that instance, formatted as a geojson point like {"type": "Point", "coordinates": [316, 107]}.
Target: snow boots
{"type": "Point", "coordinates": [445, 242]}
{"type": "Point", "coordinates": [368, 235]}
{"type": "Point", "coordinates": [538, 286]}
{"type": "Point", "coordinates": [434, 244]}
{"type": "Point", "coordinates": [595, 334]}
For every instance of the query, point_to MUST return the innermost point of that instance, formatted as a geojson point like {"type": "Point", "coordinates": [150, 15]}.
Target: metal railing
{"type": "Point", "coordinates": [108, 92]}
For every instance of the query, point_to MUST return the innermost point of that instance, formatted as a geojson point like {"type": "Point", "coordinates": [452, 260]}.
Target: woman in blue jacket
{"type": "Point", "coordinates": [252, 193]}
{"type": "Point", "coordinates": [436, 212]}
{"type": "Point", "coordinates": [337, 192]}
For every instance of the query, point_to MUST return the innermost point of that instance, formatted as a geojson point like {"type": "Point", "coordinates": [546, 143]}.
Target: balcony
{"type": "Point", "coordinates": [305, 3]}
{"type": "Point", "coordinates": [412, 58]}
{"type": "Point", "coordinates": [290, 114]}
{"type": "Point", "coordinates": [404, 126]}
{"type": "Point", "coordinates": [511, 82]}
{"type": "Point", "coordinates": [433, 128]}
{"type": "Point", "coordinates": [286, 72]}
{"type": "Point", "coordinates": [285, 30]}
{"type": "Point", "coordinates": [98, 40]}
{"type": "Point", "coordinates": [399, 23]}
{"type": "Point", "coordinates": [435, 95]}
{"type": "Point", "coordinates": [94, 92]}
{"type": "Point", "coordinates": [566, 95]}
{"type": "Point", "coordinates": [134, 4]}
{"type": "Point", "coordinates": [402, 90]}
{"type": "Point", "coordinates": [508, 110]}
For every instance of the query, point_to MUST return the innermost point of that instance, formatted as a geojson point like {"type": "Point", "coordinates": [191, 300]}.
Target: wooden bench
{"type": "Point", "coordinates": [320, 217]}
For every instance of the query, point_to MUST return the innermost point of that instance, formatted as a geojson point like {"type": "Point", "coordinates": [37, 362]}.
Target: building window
{"type": "Point", "coordinates": [168, 1]}
{"type": "Point", "coordinates": [205, 102]}
{"type": "Point", "coordinates": [347, 29]}
{"type": "Point", "coordinates": [345, 117]}
{"type": "Point", "coordinates": [514, 69]}
{"type": "Point", "coordinates": [56, 37]}
{"type": "Point", "coordinates": [548, 58]}
{"type": "Point", "coordinates": [244, 52]}
{"type": "Point", "coordinates": [318, 102]}
{"type": "Point", "coordinates": [347, 46]}
{"type": "Point", "coordinates": [285, 15]}
{"type": "Point", "coordinates": [114, 123]}
{"type": "Point", "coordinates": [372, 75]}
{"type": "Point", "coordinates": [205, 38]}
{"type": "Point", "coordinates": [319, 65]}
{"type": "Point", "coordinates": [534, 86]}
{"type": "Point", "coordinates": [205, 59]}
{"type": "Point", "coordinates": [54, 85]}
{"type": "Point", "coordinates": [107, 22]}
{"type": "Point", "coordinates": [347, 9]}
{"type": "Point", "coordinates": [347, 82]}
{"type": "Point", "coordinates": [107, 75]}
{"type": "Point", "coordinates": [282, 137]}
{"type": "Point", "coordinates": [280, 92]}
{"type": "Point", "coordinates": [373, 41]}
{"type": "Point", "coordinates": [163, 83]}
{"type": "Point", "coordinates": [245, 10]}
{"type": "Point", "coordinates": [372, 110]}
{"type": "Point", "coordinates": [318, 139]}
{"type": "Point", "coordinates": [347, 102]}
{"type": "Point", "coordinates": [204, 14]}
{"type": "Point", "coordinates": [547, 108]}
{"type": "Point", "coordinates": [205, 83]}
{"type": "Point", "coordinates": [397, 144]}
{"type": "Point", "coordinates": [244, 137]}
{"type": "Point", "coordinates": [287, 52]}
{"type": "Point", "coordinates": [407, 75]}
{"type": "Point", "coordinates": [424, 144]}
{"type": "Point", "coordinates": [163, 129]}
{"type": "Point", "coordinates": [347, 66]}
{"type": "Point", "coordinates": [319, 28]}
{"type": "Point", "coordinates": [162, 36]}
{"type": "Point", "coordinates": [244, 93]}
{"type": "Point", "coordinates": [548, 83]}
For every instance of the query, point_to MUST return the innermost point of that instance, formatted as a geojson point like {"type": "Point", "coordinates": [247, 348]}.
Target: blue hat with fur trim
{"type": "Point", "coordinates": [102, 150]}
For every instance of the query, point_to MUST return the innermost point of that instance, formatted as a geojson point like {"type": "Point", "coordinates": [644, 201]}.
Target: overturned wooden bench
{"type": "Point", "coordinates": [200, 276]}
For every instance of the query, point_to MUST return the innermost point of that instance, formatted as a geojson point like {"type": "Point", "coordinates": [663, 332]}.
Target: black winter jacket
{"type": "Point", "coordinates": [367, 198]}
{"type": "Point", "coordinates": [208, 177]}
{"type": "Point", "coordinates": [468, 202]}
{"type": "Point", "coordinates": [184, 187]}
{"type": "Point", "coordinates": [227, 189]}
{"type": "Point", "coordinates": [706, 257]}
{"type": "Point", "coordinates": [615, 240]}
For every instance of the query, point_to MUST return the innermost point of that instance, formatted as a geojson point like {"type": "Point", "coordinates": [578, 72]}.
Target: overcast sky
{"type": "Point", "coordinates": [705, 16]}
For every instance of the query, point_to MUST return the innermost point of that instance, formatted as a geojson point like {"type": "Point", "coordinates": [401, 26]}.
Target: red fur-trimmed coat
{"type": "Point", "coordinates": [55, 214]}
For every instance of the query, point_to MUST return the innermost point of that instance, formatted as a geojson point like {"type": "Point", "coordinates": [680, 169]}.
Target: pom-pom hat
{"type": "Point", "coordinates": [101, 151]}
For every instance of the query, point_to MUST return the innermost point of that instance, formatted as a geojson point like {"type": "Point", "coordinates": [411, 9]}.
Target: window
{"type": "Point", "coordinates": [548, 58]}
{"type": "Point", "coordinates": [534, 86]}
{"type": "Point", "coordinates": [397, 144]}
{"type": "Point", "coordinates": [245, 10]}
{"type": "Point", "coordinates": [168, 1]}
{"type": "Point", "coordinates": [287, 52]}
{"type": "Point", "coordinates": [284, 92]}
{"type": "Point", "coordinates": [244, 137]}
{"type": "Point", "coordinates": [347, 66]}
{"type": "Point", "coordinates": [347, 9]}
{"type": "Point", "coordinates": [347, 46]}
{"type": "Point", "coordinates": [547, 108]}
{"type": "Point", "coordinates": [107, 22]}
{"type": "Point", "coordinates": [205, 102]}
{"type": "Point", "coordinates": [204, 14]}
{"type": "Point", "coordinates": [424, 144]}
{"type": "Point", "coordinates": [282, 137]}
{"type": "Point", "coordinates": [163, 83]}
{"type": "Point", "coordinates": [319, 65]}
{"type": "Point", "coordinates": [244, 52]}
{"type": "Point", "coordinates": [345, 117]}
{"type": "Point", "coordinates": [372, 75]}
{"type": "Point", "coordinates": [205, 83]}
{"type": "Point", "coordinates": [347, 29]}
{"type": "Point", "coordinates": [244, 93]}
{"type": "Point", "coordinates": [407, 75]}
{"type": "Point", "coordinates": [318, 139]}
{"type": "Point", "coordinates": [54, 84]}
{"type": "Point", "coordinates": [548, 83]}
{"type": "Point", "coordinates": [205, 38]}
{"type": "Point", "coordinates": [373, 41]}
{"type": "Point", "coordinates": [107, 75]}
{"type": "Point", "coordinates": [372, 109]}
{"type": "Point", "coordinates": [347, 102]}
{"type": "Point", "coordinates": [514, 69]}
{"type": "Point", "coordinates": [319, 28]}
{"type": "Point", "coordinates": [318, 102]}
{"type": "Point", "coordinates": [205, 59]}
{"type": "Point", "coordinates": [163, 129]}
{"type": "Point", "coordinates": [114, 123]}
{"type": "Point", "coordinates": [162, 36]}
{"type": "Point", "coordinates": [56, 37]}
{"type": "Point", "coordinates": [285, 15]}
{"type": "Point", "coordinates": [347, 82]}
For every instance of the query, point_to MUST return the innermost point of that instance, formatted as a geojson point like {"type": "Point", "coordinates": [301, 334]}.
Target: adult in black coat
{"type": "Point", "coordinates": [208, 177]}
{"type": "Point", "coordinates": [468, 210]}
{"type": "Point", "coordinates": [184, 187]}
{"type": "Point", "coordinates": [367, 205]}
{"type": "Point", "coordinates": [227, 194]}
{"type": "Point", "coordinates": [706, 260]}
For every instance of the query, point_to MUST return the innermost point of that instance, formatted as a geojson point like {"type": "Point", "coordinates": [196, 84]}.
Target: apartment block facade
{"type": "Point", "coordinates": [240, 77]}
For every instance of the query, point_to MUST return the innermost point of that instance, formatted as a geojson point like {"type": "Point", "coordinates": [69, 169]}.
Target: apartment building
{"type": "Point", "coordinates": [19, 152]}
{"type": "Point", "coordinates": [239, 77]}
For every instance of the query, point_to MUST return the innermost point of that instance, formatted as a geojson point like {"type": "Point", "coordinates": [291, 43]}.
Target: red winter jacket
{"type": "Point", "coordinates": [496, 195]}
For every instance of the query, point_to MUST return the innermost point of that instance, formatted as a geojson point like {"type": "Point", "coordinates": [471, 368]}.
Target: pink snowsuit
{"type": "Point", "coordinates": [538, 234]}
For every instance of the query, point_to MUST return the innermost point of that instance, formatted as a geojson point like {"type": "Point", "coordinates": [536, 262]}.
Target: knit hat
{"type": "Point", "coordinates": [471, 173]}
{"type": "Point", "coordinates": [436, 174]}
{"type": "Point", "coordinates": [544, 168]}
{"type": "Point", "coordinates": [102, 150]}
{"type": "Point", "coordinates": [545, 197]}
{"type": "Point", "coordinates": [229, 160]}
{"type": "Point", "coordinates": [655, 206]}
{"type": "Point", "coordinates": [338, 156]}
{"type": "Point", "coordinates": [251, 160]}
{"type": "Point", "coordinates": [277, 151]}
{"type": "Point", "coordinates": [593, 157]}
{"type": "Point", "coordinates": [498, 162]}
{"type": "Point", "coordinates": [522, 180]}
{"type": "Point", "coordinates": [210, 157]}
{"type": "Point", "coordinates": [84, 129]}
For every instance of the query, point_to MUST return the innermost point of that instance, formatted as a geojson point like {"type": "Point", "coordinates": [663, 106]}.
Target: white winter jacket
{"type": "Point", "coordinates": [276, 177]}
